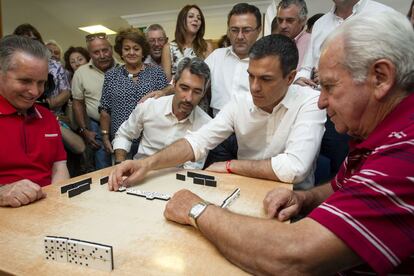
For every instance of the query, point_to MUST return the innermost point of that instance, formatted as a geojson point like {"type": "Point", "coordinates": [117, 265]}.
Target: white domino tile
{"type": "Point", "coordinates": [77, 252]}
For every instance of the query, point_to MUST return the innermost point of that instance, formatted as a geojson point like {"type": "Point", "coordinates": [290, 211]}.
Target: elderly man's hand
{"type": "Point", "coordinates": [20, 193]}
{"type": "Point", "coordinates": [179, 205]}
{"type": "Point", "coordinates": [126, 174]}
{"type": "Point", "coordinates": [282, 203]}
{"type": "Point", "coordinates": [219, 167]}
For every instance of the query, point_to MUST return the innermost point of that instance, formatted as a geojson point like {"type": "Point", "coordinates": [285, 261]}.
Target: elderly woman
{"type": "Point", "coordinates": [125, 85]}
{"type": "Point", "coordinates": [75, 57]}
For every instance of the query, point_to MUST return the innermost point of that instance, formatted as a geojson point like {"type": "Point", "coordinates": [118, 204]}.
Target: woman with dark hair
{"type": "Point", "coordinates": [75, 57]}
{"type": "Point", "coordinates": [188, 42]}
{"type": "Point", "coordinates": [125, 85]}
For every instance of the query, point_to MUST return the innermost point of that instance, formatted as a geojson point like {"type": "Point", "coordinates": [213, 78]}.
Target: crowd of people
{"type": "Point", "coordinates": [325, 98]}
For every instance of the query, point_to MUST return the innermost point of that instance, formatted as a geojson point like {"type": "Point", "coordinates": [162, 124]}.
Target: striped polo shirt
{"type": "Point", "coordinates": [372, 207]}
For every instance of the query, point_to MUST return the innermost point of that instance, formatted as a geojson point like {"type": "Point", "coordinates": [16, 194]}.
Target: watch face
{"type": "Point", "coordinates": [197, 209]}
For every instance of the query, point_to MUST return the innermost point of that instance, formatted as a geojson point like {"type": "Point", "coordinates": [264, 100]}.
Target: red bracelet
{"type": "Point", "coordinates": [228, 162]}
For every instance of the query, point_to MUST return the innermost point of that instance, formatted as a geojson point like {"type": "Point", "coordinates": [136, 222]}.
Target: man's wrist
{"type": "Point", "coordinates": [228, 166]}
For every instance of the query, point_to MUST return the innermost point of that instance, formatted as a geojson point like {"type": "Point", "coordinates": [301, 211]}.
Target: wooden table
{"type": "Point", "coordinates": [144, 242]}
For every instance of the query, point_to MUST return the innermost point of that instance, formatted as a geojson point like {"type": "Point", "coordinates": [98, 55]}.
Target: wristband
{"type": "Point", "coordinates": [228, 162]}
{"type": "Point", "coordinates": [105, 132]}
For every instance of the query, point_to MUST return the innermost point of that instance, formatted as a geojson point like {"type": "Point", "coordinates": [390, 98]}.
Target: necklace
{"type": "Point", "coordinates": [131, 75]}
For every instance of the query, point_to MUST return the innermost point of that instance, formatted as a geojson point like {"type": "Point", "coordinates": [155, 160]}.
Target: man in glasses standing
{"type": "Point", "coordinates": [228, 68]}
{"type": "Point", "coordinates": [156, 38]}
{"type": "Point", "coordinates": [87, 89]}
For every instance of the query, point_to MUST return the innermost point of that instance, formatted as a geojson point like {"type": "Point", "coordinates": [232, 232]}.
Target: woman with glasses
{"type": "Point", "coordinates": [125, 85]}
{"type": "Point", "coordinates": [188, 42]}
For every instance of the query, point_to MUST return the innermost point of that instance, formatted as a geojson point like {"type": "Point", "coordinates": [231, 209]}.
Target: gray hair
{"type": "Point", "coordinates": [53, 42]}
{"type": "Point", "coordinates": [303, 9]}
{"type": "Point", "coordinates": [154, 27]}
{"type": "Point", "coordinates": [197, 67]}
{"type": "Point", "coordinates": [11, 44]}
{"type": "Point", "coordinates": [368, 38]}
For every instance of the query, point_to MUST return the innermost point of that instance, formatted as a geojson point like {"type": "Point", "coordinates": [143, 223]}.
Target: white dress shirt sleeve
{"type": "Point", "coordinates": [213, 133]}
{"type": "Point", "coordinates": [302, 145]}
{"type": "Point", "coordinates": [307, 63]}
{"type": "Point", "coordinates": [131, 129]}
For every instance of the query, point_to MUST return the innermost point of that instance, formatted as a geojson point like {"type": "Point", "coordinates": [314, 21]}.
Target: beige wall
{"type": "Point", "coordinates": [58, 19]}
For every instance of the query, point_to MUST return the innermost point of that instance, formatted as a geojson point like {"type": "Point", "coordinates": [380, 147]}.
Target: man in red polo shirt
{"type": "Point", "coordinates": [366, 215]}
{"type": "Point", "coordinates": [32, 153]}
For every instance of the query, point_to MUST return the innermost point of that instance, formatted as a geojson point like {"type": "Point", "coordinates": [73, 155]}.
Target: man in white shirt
{"type": "Point", "coordinates": [228, 66]}
{"type": "Point", "coordinates": [334, 145]}
{"type": "Point", "coordinates": [291, 21]}
{"type": "Point", "coordinates": [278, 128]}
{"type": "Point", "coordinates": [340, 12]}
{"type": "Point", "coordinates": [164, 120]}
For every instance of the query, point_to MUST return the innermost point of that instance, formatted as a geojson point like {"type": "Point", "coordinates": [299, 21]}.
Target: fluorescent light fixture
{"type": "Point", "coordinates": [97, 29]}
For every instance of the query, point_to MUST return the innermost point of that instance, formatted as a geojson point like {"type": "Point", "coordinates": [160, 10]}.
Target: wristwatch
{"type": "Point", "coordinates": [196, 211]}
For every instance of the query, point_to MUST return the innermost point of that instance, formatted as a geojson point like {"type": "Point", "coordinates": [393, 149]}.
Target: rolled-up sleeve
{"type": "Point", "coordinates": [131, 129]}
{"type": "Point", "coordinates": [302, 145]}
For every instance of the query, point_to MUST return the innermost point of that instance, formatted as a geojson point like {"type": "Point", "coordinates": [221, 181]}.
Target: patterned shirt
{"type": "Point", "coordinates": [120, 94]}
{"type": "Point", "coordinates": [60, 79]}
{"type": "Point", "coordinates": [177, 56]}
{"type": "Point", "coordinates": [372, 208]}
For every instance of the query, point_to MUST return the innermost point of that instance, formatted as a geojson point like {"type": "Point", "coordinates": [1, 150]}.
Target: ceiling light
{"type": "Point", "coordinates": [97, 29]}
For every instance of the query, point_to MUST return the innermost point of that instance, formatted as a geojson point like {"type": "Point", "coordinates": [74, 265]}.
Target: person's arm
{"type": "Point", "coordinates": [59, 171]}
{"type": "Point", "coordinates": [262, 246]}
{"type": "Point", "coordinates": [135, 170]}
{"type": "Point", "coordinates": [105, 120]}
{"type": "Point", "coordinates": [166, 61]}
{"type": "Point", "coordinates": [251, 168]}
{"type": "Point", "coordinates": [129, 130]}
{"type": "Point", "coordinates": [59, 100]}
{"type": "Point", "coordinates": [20, 193]}
{"type": "Point", "coordinates": [283, 204]}
{"type": "Point", "coordinates": [79, 110]}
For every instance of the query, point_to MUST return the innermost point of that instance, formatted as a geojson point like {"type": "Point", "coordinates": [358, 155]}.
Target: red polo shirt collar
{"type": "Point", "coordinates": [7, 109]}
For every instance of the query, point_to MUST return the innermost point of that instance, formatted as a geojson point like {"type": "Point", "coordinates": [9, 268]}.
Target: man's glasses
{"type": "Point", "coordinates": [244, 31]}
{"type": "Point", "coordinates": [160, 40]}
{"type": "Point", "coordinates": [91, 37]}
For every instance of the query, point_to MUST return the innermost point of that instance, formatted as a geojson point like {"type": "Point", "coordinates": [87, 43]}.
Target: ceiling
{"type": "Point", "coordinates": [59, 19]}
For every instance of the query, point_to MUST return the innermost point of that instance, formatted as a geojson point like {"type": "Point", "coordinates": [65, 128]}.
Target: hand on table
{"type": "Point", "coordinates": [134, 170]}
{"type": "Point", "coordinates": [20, 193]}
{"type": "Point", "coordinates": [179, 205]}
{"type": "Point", "coordinates": [282, 203]}
{"type": "Point", "coordinates": [219, 167]}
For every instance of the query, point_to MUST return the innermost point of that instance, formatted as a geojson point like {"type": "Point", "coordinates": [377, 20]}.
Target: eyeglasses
{"type": "Point", "coordinates": [160, 40]}
{"type": "Point", "coordinates": [91, 37]}
{"type": "Point", "coordinates": [244, 31]}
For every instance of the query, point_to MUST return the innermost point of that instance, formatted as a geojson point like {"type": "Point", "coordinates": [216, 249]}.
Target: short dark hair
{"type": "Point", "coordinates": [312, 20]}
{"type": "Point", "coordinates": [243, 8]}
{"type": "Point", "coordinates": [197, 67]}
{"type": "Point", "coordinates": [134, 35]}
{"type": "Point", "coordinates": [11, 44]}
{"type": "Point", "coordinates": [280, 46]}
{"type": "Point", "coordinates": [72, 50]}
{"type": "Point", "coordinates": [27, 29]}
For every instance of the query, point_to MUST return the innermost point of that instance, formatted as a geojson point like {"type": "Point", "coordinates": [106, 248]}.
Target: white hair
{"type": "Point", "coordinates": [368, 38]}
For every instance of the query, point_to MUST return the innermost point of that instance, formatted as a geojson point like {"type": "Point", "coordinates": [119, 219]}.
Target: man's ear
{"type": "Point", "coordinates": [383, 77]}
{"type": "Point", "coordinates": [291, 76]}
